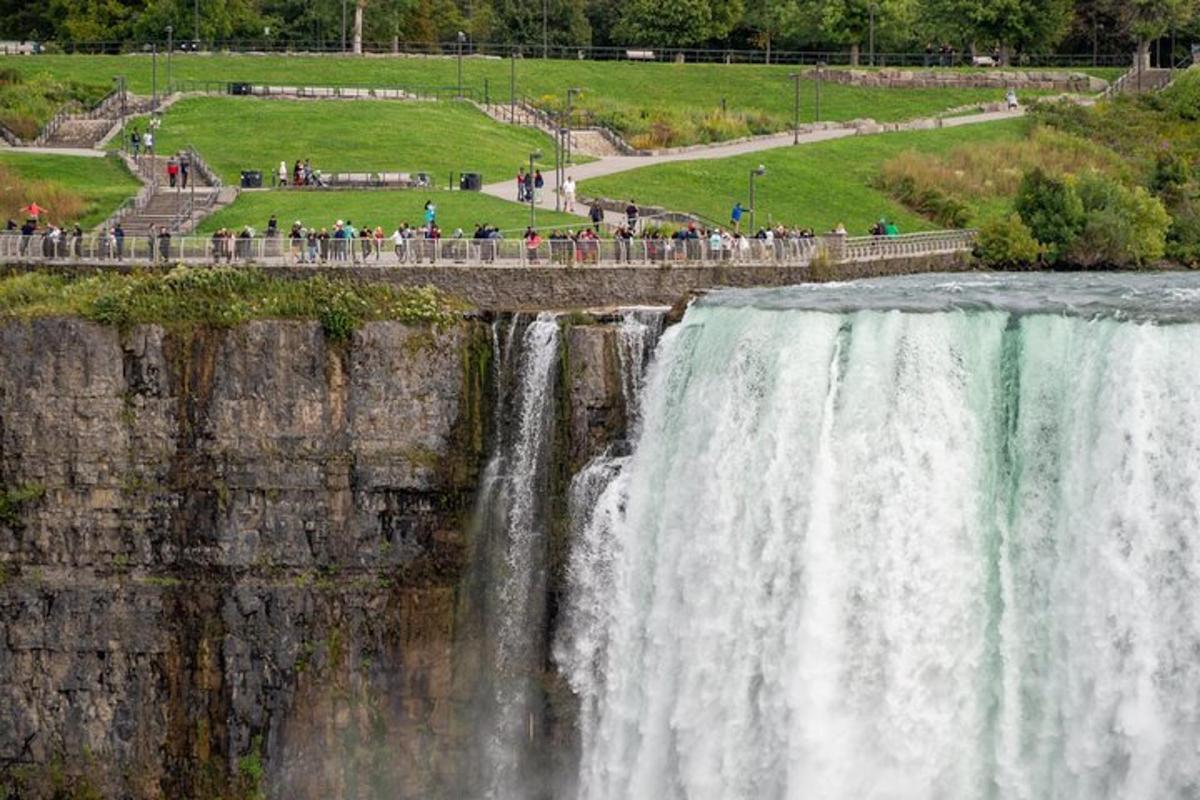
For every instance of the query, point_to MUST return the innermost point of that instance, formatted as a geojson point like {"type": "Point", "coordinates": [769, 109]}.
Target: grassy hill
{"type": "Point", "coordinates": [83, 190]}
{"type": "Point", "coordinates": [236, 133]}
{"type": "Point", "coordinates": [383, 208]}
{"type": "Point", "coordinates": [656, 103]}
{"type": "Point", "coordinates": [815, 185]}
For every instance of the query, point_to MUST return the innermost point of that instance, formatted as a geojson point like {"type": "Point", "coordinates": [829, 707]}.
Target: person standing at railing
{"type": "Point", "coordinates": [532, 242]}
{"type": "Point", "coordinates": [281, 173]}
{"type": "Point", "coordinates": [77, 241]}
{"type": "Point", "coordinates": [323, 245]}
{"type": "Point", "coordinates": [164, 243]}
{"type": "Point", "coordinates": [378, 241]}
{"type": "Point", "coordinates": [596, 215]}
{"type": "Point", "coordinates": [27, 231]}
{"type": "Point", "coordinates": [312, 241]}
{"type": "Point", "coordinates": [631, 216]}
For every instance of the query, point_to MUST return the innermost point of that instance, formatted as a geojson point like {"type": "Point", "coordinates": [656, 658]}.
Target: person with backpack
{"type": "Point", "coordinates": [538, 184]}
{"type": "Point", "coordinates": [596, 215]}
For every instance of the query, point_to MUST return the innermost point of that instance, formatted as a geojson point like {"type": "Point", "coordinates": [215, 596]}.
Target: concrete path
{"type": "Point", "coordinates": [611, 165]}
{"type": "Point", "coordinates": [79, 152]}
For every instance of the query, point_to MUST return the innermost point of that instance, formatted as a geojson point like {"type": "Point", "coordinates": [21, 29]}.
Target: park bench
{"type": "Point", "coordinates": [639, 55]}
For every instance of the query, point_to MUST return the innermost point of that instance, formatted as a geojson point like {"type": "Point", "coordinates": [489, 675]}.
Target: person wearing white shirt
{"type": "Point", "coordinates": [569, 194]}
{"type": "Point", "coordinates": [399, 243]}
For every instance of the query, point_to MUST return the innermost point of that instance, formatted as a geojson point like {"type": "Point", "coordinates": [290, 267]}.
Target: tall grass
{"type": "Point", "coordinates": [17, 192]}
{"type": "Point", "coordinates": [955, 187]}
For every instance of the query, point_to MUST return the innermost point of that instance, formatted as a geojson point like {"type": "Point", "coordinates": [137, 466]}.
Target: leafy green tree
{"type": "Point", "coordinates": [1028, 25]}
{"type": "Point", "coordinates": [676, 23]}
{"type": "Point", "coordinates": [520, 22]}
{"type": "Point", "coordinates": [1007, 243]}
{"type": "Point", "coordinates": [770, 21]}
{"type": "Point", "coordinates": [1147, 20]}
{"type": "Point", "coordinates": [848, 22]}
{"type": "Point", "coordinates": [1124, 227]}
{"type": "Point", "coordinates": [1052, 211]}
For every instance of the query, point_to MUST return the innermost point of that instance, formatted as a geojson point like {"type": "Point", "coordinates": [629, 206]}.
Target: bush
{"type": "Point", "coordinates": [1124, 227]}
{"type": "Point", "coordinates": [1182, 97]}
{"type": "Point", "coordinates": [1052, 211]}
{"type": "Point", "coordinates": [1007, 243]}
{"type": "Point", "coordinates": [1183, 237]}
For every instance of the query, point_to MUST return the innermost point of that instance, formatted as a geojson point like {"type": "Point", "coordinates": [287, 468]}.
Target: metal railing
{"type": "Point", "coordinates": [727, 55]}
{"type": "Point", "coordinates": [344, 91]}
{"type": "Point", "coordinates": [499, 253]}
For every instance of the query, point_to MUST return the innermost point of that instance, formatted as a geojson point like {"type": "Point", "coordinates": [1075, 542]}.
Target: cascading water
{"type": "Point", "coordinates": [512, 534]}
{"type": "Point", "coordinates": [901, 539]}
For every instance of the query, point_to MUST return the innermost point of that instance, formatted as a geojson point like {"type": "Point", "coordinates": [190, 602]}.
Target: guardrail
{"type": "Point", "coordinates": [341, 91]}
{"type": "Point", "coordinates": [499, 253]}
{"type": "Point", "coordinates": [586, 52]}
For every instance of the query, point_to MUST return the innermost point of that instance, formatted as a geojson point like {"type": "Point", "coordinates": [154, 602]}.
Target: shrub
{"type": "Point", "coordinates": [1007, 243]}
{"type": "Point", "coordinates": [1183, 237]}
{"type": "Point", "coordinates": [1182, 97]}
{"type": "Point", "coordinates": [1123, 228]}
{"type": "Point", "coordinates": [1051, 209]}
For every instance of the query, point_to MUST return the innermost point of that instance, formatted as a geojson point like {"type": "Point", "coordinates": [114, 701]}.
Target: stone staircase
{"type": "Point", "coordinates": [1142, 81]}
{"type": "Point", "coordinates": [159, 204]}
{"type": "Point", "coordinates": [591, 140]}
{"type": "Point", "coordinates": [76, 128]}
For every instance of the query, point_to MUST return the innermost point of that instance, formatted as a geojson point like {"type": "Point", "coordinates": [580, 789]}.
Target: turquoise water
{"type": "Point", "coordinates": [920, 538]}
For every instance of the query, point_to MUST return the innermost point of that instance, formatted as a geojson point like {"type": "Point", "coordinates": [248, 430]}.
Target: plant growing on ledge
{"type": "Point", "coordinates": [222, 297]}
{"type": "Point", "coordinates": [13, 501]}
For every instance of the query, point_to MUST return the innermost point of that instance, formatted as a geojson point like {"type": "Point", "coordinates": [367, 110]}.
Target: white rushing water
{"type": "Point", "coordinates": [511, 519]}
{"type": "Point", "coordinates": [886, 554]}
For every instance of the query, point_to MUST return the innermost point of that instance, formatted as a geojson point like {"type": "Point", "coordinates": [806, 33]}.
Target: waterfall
{"type": "Point", "coordinates": [511, 526]}
{"type": "Point", "coordinates": [882, 543]}
{"type": "Point", "coordinates": [637, 335]}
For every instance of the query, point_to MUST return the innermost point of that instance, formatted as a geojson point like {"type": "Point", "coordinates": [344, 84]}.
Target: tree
{"type": "Point", "coordinates": [770, 20]}
{"type": "Point", "coordinates": [1147, 20]}
{"type": "Point", "coordinates": [849, 22]}
{"type": "Point", "coordinates": [520, 22]}
{"type": "Point", "coordinates": [1051, 209]}
{"type": "Point", "coordinates": [1028, 25]}
{"type": "Point", "coordinates": [676, 23]}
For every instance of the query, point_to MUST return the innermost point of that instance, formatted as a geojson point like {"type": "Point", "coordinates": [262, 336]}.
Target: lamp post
{"type": "Point", "coordinates": [170, 47]}
{"type": "Point", "coordinates": [872, 8]}
{"type": "Point", "coordinates": [462, 37]}
{"type": "Point", "coordinates": [758, 172]}
{"type": "Point", "coordinates": [795, 76]}
{"type": "Point", "coordinates": [545, 28]}
{"type": "Point", "coordinates": [154, 73]}
{"type": "Point", "coordinates": [343, 27]}
{"type": "Point", "coordinates": [196, 23]}
{"type": "Point", "coordinates": [512, 86]}
{"type": "Point", "coordinates": [571, 92]}
{"type": "Point", "coordinates": [120, 79]}
{"type": "Point", "coordinates": [820, 65]}
{"type": "Point", "coordinates": [536, 154]}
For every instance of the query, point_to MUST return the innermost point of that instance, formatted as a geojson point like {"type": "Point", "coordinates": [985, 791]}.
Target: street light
{"type": "Point", "coordinates": [820, 65]}
{"type": "Point", "coordinates": [512, 86]}
{"type": "Point", "coordinates": [571, 92]}
{"type": "Point", "coordinates": [536, 154]}
{"type": "Point", "coordinates": [462, 37]}
{"type": "Point", "coordinates": [196, 22]}
{"type": "Point", "coordinates": [758, 172]}
{"type": "Point", "coordinates": [343, 27]}
{"type": "Point", "coordinates": [545, 28]}
{"type": "Point", "coordinates": [170, 47]}
{"type": "Point", "coordinates": [795, 76]}
{"type": "Point", "coordinates": [154, 73]}
{"type": "Point", "coordinates": [871, 43]}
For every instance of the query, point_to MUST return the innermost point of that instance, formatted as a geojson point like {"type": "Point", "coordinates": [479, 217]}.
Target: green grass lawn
{"type": "Point", "coordinates": [678, 103]}
{"type": "Point", "coordinates": [383, 208]}
{"type": "Point", "coordinates": [816, 185]}
{"type": "Point", "coordinates": [101, 183]}
{"type": "Point", "coordinates": [237, 133]}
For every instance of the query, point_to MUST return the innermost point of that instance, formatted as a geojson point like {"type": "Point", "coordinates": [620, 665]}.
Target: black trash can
{"type": "Point", "coordinates": [471, 182]}
{"type": "Point", "coordinates": [251, 179]}
{"type": "Point", "coordinates": [239, 88]}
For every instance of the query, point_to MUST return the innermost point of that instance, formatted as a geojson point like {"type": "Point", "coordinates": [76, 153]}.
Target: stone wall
{"type": "Point", "coordinates": [1050, 80]}
{"type": "Point", "coordinates": [233, 546]}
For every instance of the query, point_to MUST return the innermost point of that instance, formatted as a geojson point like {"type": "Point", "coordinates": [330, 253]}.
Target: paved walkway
{"type": "Point", "coordinates": [611, 165]}
{"type": "Point", "coordinates": [80, 152]}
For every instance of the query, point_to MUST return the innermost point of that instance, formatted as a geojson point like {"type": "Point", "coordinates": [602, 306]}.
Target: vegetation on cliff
{"type": "Point", "coordinates": [222, 297]}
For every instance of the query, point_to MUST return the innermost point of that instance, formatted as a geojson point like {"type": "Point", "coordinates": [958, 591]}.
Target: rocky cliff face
{"type": "Point", "coordinates": [232, 561]}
